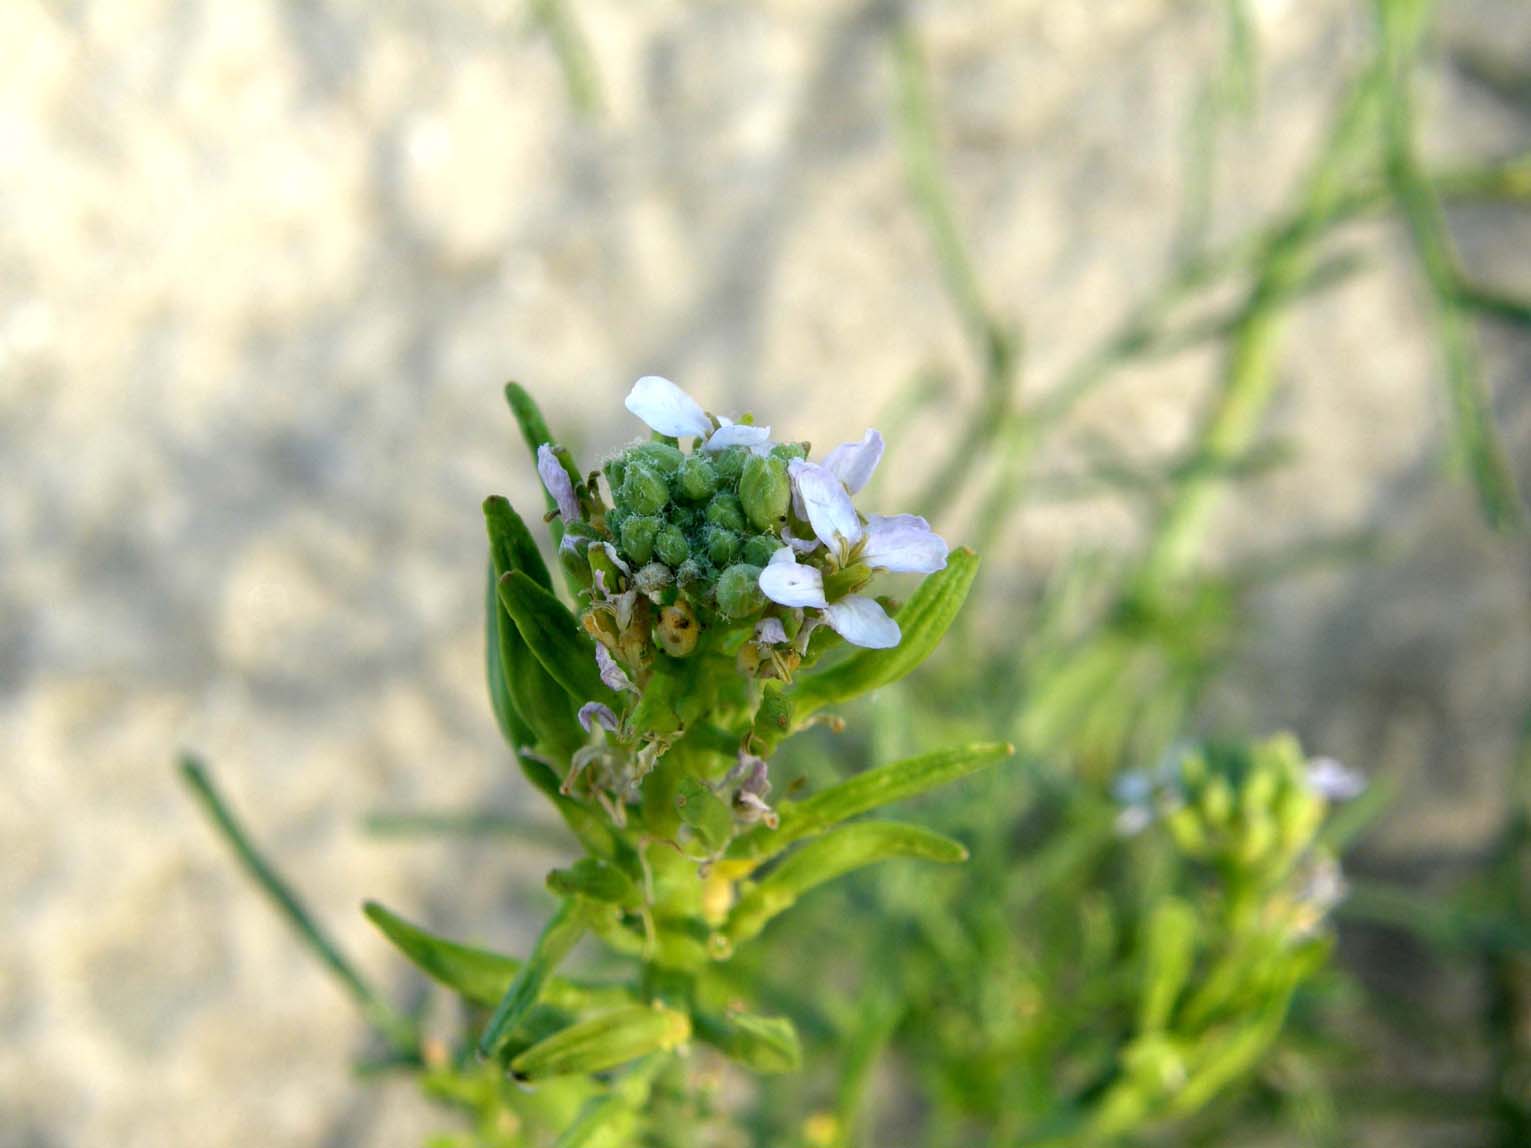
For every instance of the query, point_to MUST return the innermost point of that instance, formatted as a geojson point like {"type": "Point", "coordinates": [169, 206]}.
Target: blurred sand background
{"type": "Point", "coordinates": [267, 266]}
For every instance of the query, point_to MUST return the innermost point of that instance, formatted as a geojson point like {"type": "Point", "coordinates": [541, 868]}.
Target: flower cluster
{"type": "Point", "coordinates": [713, 536]}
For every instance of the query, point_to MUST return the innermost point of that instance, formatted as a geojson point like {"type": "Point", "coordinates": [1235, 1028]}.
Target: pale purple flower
{"type": "Point", "coordinates": [558, 484]}
{"type": "Point", "coordinates": [1333, 780]}
{"type": "Point", "coordinates": [668, 409]}
{"type": "Point", "coordinates": [592, 714]}
{"type": "Point", "coordinates": [611, 673]}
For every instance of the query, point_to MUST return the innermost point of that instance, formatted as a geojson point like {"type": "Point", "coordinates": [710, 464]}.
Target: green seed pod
{"type": "Point", "coordinates": [726, 511]}
{"type": "Point", "coordinates": [678, 631]}
{"type": "Point", "coordinates": [758, 549]}
{"type": "Point", "coordinates": [772, 722]}
{"type": "Point", "coordinates": [671, 546]}
{"type": "Point", "coordinates": [638, 534]}
{"type": "Point", "coordinates": [787, 451]}
{"type": "Point", "coordinates": [660, 456]}
{"type": "Point", "coordinates": [765, 492]}
{"type": "Point", "coordinates": [738, 591]}
{"type": "Point", "coordinates": [730, 464]}
{"type": "Point", "coordinates": [705, 812]}
{"type": "Point", "coordinates": [697, 479]}
{"type": "Point", "coordinates": [722, 545]}
{"type": "Point", "coordinates": [593, 878]}
{"type": "Point", "coordinates": [643, 490]}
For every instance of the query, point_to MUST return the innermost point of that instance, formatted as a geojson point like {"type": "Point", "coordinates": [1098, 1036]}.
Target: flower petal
{"type": "Point", "coordinates": [770, 632]}
{"type": "Point", "coordinates": [558, 484]}
{"type": "Point", "coordinates": [787, 583]}
{"type": "Point", "coordinates": [592, 714]}
{"type": "Point", "coordinates": [1335, 781]}
{"type": "Point", "coordinates": [611, 673]}
{"type": "Point", "coordinates": [738, 434]}
{"type": "Point", "coordinates": [826, 504]}
{"type": "Point", "coordinates": [854, 462]}
{"type": "Point", "coordinates": [861, 621]}
{"type": "Point", "coordinates": [903, 543]}
{"type": "Point", "coordinates": [668, 409]}
{"type": "Point", "coordinates": [799, 545]}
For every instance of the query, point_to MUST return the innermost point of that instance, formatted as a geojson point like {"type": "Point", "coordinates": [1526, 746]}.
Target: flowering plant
{"type": "Point", "coordinates": [711, 573]}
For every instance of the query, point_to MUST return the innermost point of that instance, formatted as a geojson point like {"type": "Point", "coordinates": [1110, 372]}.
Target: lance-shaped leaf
{"type": "Point", "coordinates": [513, 727]}
{"type": "Point", "coordinates": [558, 937]}
{"type": "Point", "coordinates": [922, 622]}
{"type": "Point", "coordinates": [556, 639]}
{"type": "Point", "coordinates": [764, 1044]}
{"type": "Point", "coordinates": [1169, 951]}
{"type": "Point", "coordinates": [477, 974]}
{"type": "Point", "coordinates": [864, 792]}
{"type": "Point", "coordinates": [534, 696]}
{"type": "Point", "coordinates": [847, 848]}
{"type": "Point", "coordinates": [604, 1042]}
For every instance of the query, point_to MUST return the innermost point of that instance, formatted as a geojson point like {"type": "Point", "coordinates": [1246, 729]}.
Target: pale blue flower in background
{"type": "Point", "coordinates": [1335, 781]}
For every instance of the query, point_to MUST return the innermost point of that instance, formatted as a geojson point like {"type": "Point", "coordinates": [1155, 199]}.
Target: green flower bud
{"type": "Point", "coordinates": [739, 591]}
{"type": "Point", "coordinates": [722, 545]}
{"type": "Point", "coordinates": [643, 491]}
{"type": "Point", "coordinates": [697, 479]}
{"type": "Point", "coordinates": [671, 546]}
{"type": "Point", "coordinates": [660, 457]}
{"type": "Point", "coordinates": [693, 576]}
{"type": "Point", "coordinates": [725, 510]}
{"type": "Point", "coordinates": [615, 470]}
{"type": "Point", "coordinates": [764, 492]}
{"type": "Point", "coordinates": [638, 534]}
{"type": "Point", "coordinates": [615, 517]}
{"type": "Point", "coordinates": [758, 549]}
{"type": "Point", "coordinates": [729, 464]}
{"type": "Point", "coordinates": [787, 451]}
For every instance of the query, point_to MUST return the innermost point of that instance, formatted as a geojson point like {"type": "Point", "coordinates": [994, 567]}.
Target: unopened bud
{"type": "Point", "coordinates": [698, 479]}
{"type": "Point", "coordinates": [738, 591]}
{"type": "Point", "coordinates": [638, 534]}
{"type": "Point", "coordinates": [643, 490]}
{"type": "Point", "coordinates": [765, 492]}
{"type": "Point", "coordinates": [724, 510]}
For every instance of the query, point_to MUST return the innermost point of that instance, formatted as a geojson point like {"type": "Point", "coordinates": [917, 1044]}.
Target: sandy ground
{"type": "Point", "coordinates": [267, 266]}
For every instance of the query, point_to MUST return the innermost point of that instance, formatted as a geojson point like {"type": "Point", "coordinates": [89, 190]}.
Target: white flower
{"type": "Point", "coordinates": [730, 433]}
{"type": "Point", "coordinates": [904, 544]}
{"type": "Point", "coordinates": [789, 583]}
{"type": "Point", "coordinates": [1333, 780]}
{"type": "Point", "coordinates": [558, 483]}
{"type": "Point", "coordinates": [668, 409]}
{"type": "Point", "coordinates": [770, 632]}
{"type": "Point", "coordinates": [853, 462]}
{"type": "Point", "coordinates": [861, 621]}
{"type": "Point", "coordinates": [826, 504]}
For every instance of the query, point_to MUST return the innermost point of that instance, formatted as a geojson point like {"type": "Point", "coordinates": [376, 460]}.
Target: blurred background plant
{"type": "Point", "coordinates": [1077, 982]}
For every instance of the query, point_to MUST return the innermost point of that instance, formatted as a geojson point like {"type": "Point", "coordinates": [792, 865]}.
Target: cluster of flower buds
{"type": "Point", "coordinates": [1251, 812]}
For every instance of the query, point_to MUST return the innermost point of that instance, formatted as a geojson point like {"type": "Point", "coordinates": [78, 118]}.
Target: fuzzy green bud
{"type": "Point", "coordinates": [758, 549]}
{"type": "Point", "coordinates": [764, 492]}
{"type": "Point", "coordinates": [787, 451]}
{"type": "Point", "coordinates": [697, 479]}
{"type": "Point", "coordinates": [643, 490]}
{"type": "Point", "coordinates": [693, 576]}
{"type": "Point", "coordinates": [725, 510]}
{"type": "Point", "coordinates": [659, 456]}
{"type": "Point", "coordinates": [638, 534]}
{"type": "Point", "coordinates": [722, 545]}
{"type": "Point", "coordinates": [739, 591]}
{"type": "Point", "coordinates": [729, 464]}
{"type": "Point", "coordinates": [615, 470]}
{"type": "Point", "coordinates": [671, 547]}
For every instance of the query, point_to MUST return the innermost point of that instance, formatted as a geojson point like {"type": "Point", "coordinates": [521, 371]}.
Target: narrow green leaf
{"type": "Point", "coordinates": [397, 1028]}
{"type": "Point", "coordinates": [558, 937]}
{"type": "Point", "coordinates": [836, 853]}
{"type": "Point", "coordinates": [595, 879]}
{"type": "Point", "coordinates": [923, 621]}
{"type": "Point", "coordinates": [867, 791]}
{"type": "Point", "coordinates": [764, 1044]}
{"type": "Point", "coordinates": [1168, 954]}
{"type": "Point", "coordinates": [477, 974]}
{"type": "Point", "coordinates": [513, 547]}
{"type": "Point", "coordinates": [513, 727]}
{"type": "Point", "coordinates": [530, 692]}
{"type": "Point", "coordinates": [604, 1042]}
{"type": "Point", "coordinates": [553, 635]}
